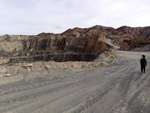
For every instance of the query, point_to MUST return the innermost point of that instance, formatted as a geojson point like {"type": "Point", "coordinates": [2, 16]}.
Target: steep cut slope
{"type": "Point", "coordinates": [57, 47]}
{"type": "Point", "coordinates": [78, 44]}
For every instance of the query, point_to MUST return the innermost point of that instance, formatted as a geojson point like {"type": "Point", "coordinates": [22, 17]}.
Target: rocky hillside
{"type": "Point", "coordinates": [125, 36]}
{"type": "Point", "coordinates": [136, 44]}
{"type": "Point", "coordinates": [76, 44]}
{"type": "Point", "coordinates": [134, 37]}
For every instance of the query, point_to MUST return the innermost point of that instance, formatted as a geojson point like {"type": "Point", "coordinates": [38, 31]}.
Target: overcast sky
{"type": "Point", "coordinates": [36, 16]}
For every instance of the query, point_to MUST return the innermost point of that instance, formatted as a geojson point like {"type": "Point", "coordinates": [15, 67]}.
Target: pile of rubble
{"type": "Point", "coordinates": [15, 68]}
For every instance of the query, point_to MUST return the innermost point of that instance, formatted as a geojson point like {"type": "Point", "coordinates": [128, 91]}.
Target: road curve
{"type": "Point", "coordinates": [118, 88]}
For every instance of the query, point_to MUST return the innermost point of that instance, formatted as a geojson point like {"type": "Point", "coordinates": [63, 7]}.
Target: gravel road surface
{"type": "Point", "coordinates": [117, 88]}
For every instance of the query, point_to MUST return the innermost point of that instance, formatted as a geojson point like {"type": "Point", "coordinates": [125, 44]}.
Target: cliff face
{"type": "Point", "coordinates": [71, 45]}
{"type": "Point", "coordinates": [118, 36]}
{"type": "Point", "coordinates": [126, 37]}
{"type": "Point", "coordinates": [68, 46]}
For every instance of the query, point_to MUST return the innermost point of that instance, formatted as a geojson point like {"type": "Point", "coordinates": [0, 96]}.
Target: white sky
{"type": "Point", "coordinates": [36, 16]}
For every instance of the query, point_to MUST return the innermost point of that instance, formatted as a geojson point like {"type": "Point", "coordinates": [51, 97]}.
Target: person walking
{"type": "Point", "coordinates": [143, 64]}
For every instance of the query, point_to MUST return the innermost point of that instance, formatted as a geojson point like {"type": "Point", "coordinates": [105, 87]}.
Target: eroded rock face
{"type": "Point", "coordinates": [130, 38]}
{"type": "Point", "coordinates": [72, 45]}
{"type": "Point", "coordinates": [119, 36]}
{"type": "Point", "coordinates": [136, 43]}
{"type": "Point", "coordinates": [77, 46]}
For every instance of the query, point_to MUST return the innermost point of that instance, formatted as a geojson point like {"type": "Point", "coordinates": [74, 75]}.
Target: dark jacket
{"type": "Point", "coordinates": [143, 62]}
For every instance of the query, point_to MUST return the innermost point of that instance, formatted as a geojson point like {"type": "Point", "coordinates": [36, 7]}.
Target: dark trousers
{"type": "Point", "coordinates": [142, 69]}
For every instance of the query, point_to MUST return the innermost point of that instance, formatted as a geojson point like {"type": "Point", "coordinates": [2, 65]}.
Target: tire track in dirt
{"type": "Point", "coordinates": [110, 89]}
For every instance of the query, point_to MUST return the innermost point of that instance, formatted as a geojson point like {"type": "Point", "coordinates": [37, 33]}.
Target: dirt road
{"type": "Point", "coordinates": [118, 88]}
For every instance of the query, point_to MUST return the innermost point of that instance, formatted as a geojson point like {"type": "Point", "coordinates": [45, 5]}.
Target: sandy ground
{"type": "Point", "coordinates": [118, 88]}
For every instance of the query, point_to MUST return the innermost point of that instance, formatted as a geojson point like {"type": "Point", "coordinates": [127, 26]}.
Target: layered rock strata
{"type": "Point", "coordinates": [76, 44]}
{"type": "Point", "coordinates": [57, 47]}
